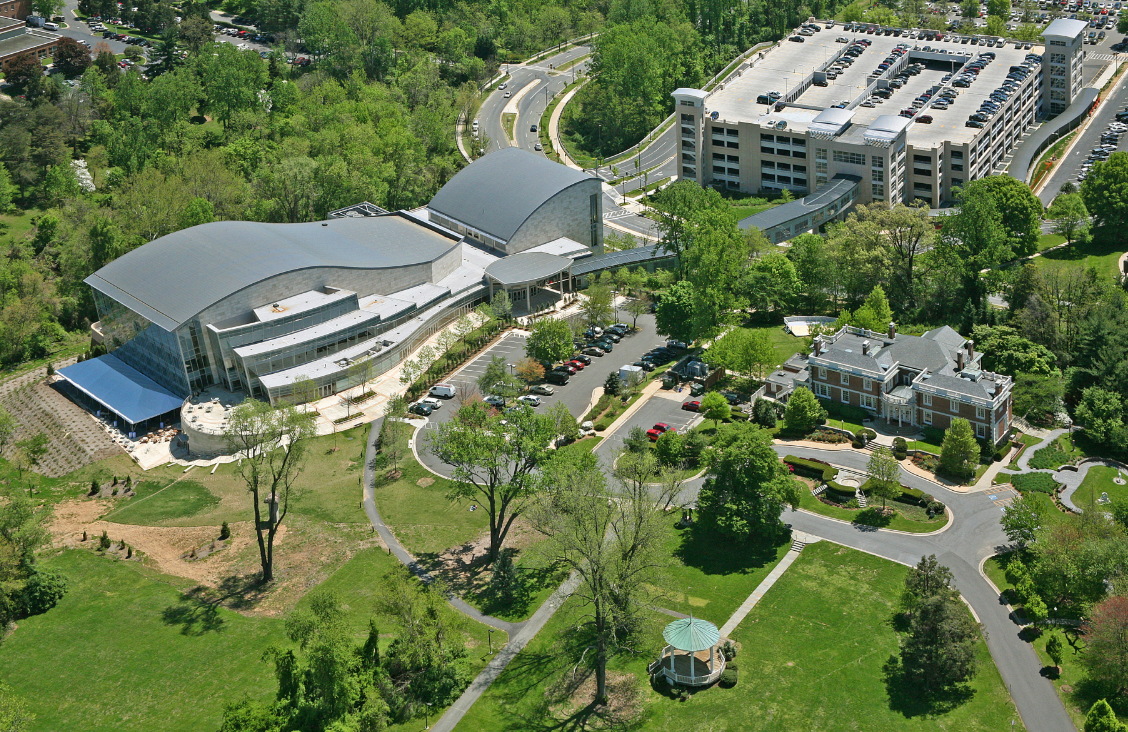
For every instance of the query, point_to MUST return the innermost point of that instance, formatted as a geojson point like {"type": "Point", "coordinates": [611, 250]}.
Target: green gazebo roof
{"type": "Point", "coordinates": [691, 634]}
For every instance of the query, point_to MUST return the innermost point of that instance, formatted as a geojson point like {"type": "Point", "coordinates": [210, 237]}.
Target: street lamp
{"type": "Point", "coordinates": [427, 715]}
{"type": "Point", "coordinates": [490, 632]}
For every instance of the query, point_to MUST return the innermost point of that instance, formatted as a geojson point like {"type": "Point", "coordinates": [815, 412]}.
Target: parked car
{"type": "Point", "coordinates": [423, 410]}
{"type": "Point", "coordinates": [431, 402]}
{"type": "Point", "coordinates": [543, 390]}
{"type": "Point", "coordinates": [495, 401]}
{"type": "Point", "coordinates": [586, 361]}
{"type": "Point", "coordinates": [530, 400]}
{"type": "Point", "coordinates": [559, 378]}
{"type": "Point", "coordinates": [658, 430]}
{"type": "Point", "coordinates": [593, 351]}
{"type": "Point", "coordinates": [443, 391]}
{"type": "Point", "coordinates": [693, 406]}
{"type": "Point", "coordinates": [577, 365]}
{"type": "Point", "coordinates": [567, 367]}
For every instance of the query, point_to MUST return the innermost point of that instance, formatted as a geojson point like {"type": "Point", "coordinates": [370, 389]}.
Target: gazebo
{"type": "Point", "coordinates": [700, 663]}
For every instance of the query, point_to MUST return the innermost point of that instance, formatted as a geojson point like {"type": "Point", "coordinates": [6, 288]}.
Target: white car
{"type": "Point", "coordinates": [432, 402]}
{"type": "Point", "coordinates": [529, 399]}
{"type": "Point", "coordinates": [543, 389]}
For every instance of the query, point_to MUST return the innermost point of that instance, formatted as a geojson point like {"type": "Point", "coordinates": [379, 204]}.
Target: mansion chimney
{"type": "Point", "coordinates": [892, 330]}
{"type": "Point", "coordinates": [865, 348]}
{"type": "Point", "coordinates": [970, 351]}
{"type": "Point", "coordinates": [959, 361]}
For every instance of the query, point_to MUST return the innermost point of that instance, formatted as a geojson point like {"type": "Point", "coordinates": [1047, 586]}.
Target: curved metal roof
{"type": "Point", "coordinates": [517, 269]}
{"type": "Point", "coordinates": [691, 634]}
{"type": "Point", "coordinates": [171, 279]}
{"type": "Point", "coordinates": [498, 191]}
{"type": "Point", "coordinates": [1065, 27]}
{"type": "Point", "coordinates": [830, 122]}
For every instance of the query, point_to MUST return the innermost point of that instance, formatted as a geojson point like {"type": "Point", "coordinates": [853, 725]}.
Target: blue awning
{"type": "Point", "coordinates": [121, 388]}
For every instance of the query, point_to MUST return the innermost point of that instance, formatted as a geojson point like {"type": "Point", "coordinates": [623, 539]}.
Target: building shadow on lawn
{"type": "Point", "coordinates": [715, 554]}
{"type": "Point", "coordinates": [906, 697]}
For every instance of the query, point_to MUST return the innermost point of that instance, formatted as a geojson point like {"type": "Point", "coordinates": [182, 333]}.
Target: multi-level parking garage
{"type": "Point", "coordinates": [908, 118]}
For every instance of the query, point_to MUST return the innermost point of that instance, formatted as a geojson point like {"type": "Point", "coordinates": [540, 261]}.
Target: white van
{"type": "Point", "coordinates": [443, 391]}
{"type": "Point", "coordinates": [51, 26]}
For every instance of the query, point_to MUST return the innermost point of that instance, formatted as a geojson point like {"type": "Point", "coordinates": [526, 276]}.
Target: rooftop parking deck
{"type": "Point", "coordinates": [790, 63]}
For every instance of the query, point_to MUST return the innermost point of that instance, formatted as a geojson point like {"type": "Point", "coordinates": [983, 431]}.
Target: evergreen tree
{"type": "Point", "coordinates": [959, 453]}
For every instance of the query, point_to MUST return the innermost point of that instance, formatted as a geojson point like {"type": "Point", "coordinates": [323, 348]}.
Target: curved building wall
{"type": "Point", "coordinates": [557, 217]}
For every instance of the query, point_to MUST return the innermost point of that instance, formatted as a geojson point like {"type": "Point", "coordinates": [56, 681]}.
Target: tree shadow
{"type": "Point", "coordinates": [873, 517]}
{"type": "Point", "coordinates": [713, 554]}
{"type": "Point", "coordinates": [197, 613]}
{"type": "Point", "coordinates": [908, 699]}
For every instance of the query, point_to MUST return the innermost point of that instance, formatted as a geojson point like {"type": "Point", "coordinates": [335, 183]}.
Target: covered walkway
{"type": "Point", "coordinates": [116, 386]}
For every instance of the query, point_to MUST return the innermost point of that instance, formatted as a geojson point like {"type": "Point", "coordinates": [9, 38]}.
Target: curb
{"type": "Point", "coordinates": [941, 530]}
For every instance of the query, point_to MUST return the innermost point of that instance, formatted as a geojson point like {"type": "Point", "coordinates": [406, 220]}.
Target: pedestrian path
{"type": "Point", "coordinates": [800, 540]}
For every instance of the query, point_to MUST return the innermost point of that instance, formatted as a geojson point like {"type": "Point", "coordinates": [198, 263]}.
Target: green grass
{"type": "Point", "coordinates": [329, 489]}
{"type": "Point", "coordinates": [152, 506]}
{"type": "Point", "coordinates": [1099, 480]}
{"type": "Point", "coordinates": [1054, 455]}
{"type": "Point", "coordinates": [124, 650]}
{"type": "Point", "coordinates": [710, 577]}
{"type": "Point", "coordinates": [1102, 251]}
{"type": "Point", "coordinates": [811, 658]}
{"type": "Point", "coordinates": [507, 121]}
{"type": "Point", "coordinates": [912, 519]}
{"type": "Point", "coordinates": [996, 570]}
{"type": "Point", "coordinates": [1045, 241]}
{"type": "Point", "coordinates": [931, 441]}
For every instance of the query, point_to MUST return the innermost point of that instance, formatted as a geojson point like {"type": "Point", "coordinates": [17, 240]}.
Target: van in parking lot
{"type": "Point", "coordinates": [443, 391]}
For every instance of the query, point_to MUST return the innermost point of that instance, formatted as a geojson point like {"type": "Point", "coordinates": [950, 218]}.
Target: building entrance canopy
{"type": "Point", "coordinates": [121, 388]}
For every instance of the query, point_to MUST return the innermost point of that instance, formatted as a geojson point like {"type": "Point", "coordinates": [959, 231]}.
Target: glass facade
{"type": "Point", "coordinates": [150, 349]}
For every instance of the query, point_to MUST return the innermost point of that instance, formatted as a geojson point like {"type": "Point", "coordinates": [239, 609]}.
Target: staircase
{"type": "Point", "coordinates": [818, 490]}
{"type": "Point", "coordinates": [861, 497]}
{"type": "Point", "coordinates": [797, 545]}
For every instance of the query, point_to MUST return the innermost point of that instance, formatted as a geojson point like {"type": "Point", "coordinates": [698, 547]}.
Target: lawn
{"type": "Point", "coordinates": [1102, 252]}
{"type": "Point", "coordinates": [1054, 455]}
{"type": "Point", "coordinates": [785, 344]}
{"type": "Point", "coordinates": [709, 576]}
{"type": "Point", "coordinates": [811, 657]}
{"type": "Point", "coordinates": [1099, 480]}
{"type": "Point", "coordinates": [812, 653]}
{"type": "Point", "coordinates": [1045, 241]}
{"type": "Point", "coordinates": [912, 519]}
{"type": "Point", "coordinates": [329, 489]}
{"type": "Point", "coordinates": [932, 440]}
{"type": "Point", "coordinates": [124, 650]}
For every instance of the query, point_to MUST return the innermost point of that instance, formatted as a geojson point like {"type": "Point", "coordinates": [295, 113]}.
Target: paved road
{"type": "Point", "coordinates": [1069, 168]}
{"type": "Point", "coordinates": [665, 407]}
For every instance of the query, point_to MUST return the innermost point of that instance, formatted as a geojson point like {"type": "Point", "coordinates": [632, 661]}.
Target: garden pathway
{"type": "Point", "coordinates": [1070, 476]}
{"type": "Point", "coordinates": [801, 539]}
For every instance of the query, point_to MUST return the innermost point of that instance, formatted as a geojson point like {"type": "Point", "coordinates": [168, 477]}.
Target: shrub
{"type": "Point", "coordinates": [1048, 458]}
{"type": "Point", "coordinates": [94, 487]}
{"type": "Point", "coordinates": [1034, 483]}
{"type": "Point", "coordinates": [857, 444]}
{"type": "Point", "coordinates": [104, 542]}
{"type": "Point", "coordinates": [42, 592]}
{"type": "Point", "coordinates": [900, 448]}
{"type": "Point", "coordinates": [224, 531]}
{"type": "Point", "coordinates": [1001, 452]}
{"type": "Point", "coordinates": [728, 678]}
{"type": "Point", "coordinates": [812, 468]}
{"type": "Point", "coordinates": [934, 508]}
{"type": "Point", "coordinates": [50, 369]}
{"type": "Point", "coordinates": [764, 413]}
{"type": "Point", "coordinates": [680, 693]}
{"type": "Point", "coordinates": [870, 434]}
{"type": "Point", "coordinates": [860, 436]}
{"type": "Point", "coordinates": [602, 425]}
{"type": "Point", "coordinates": [728, 650]}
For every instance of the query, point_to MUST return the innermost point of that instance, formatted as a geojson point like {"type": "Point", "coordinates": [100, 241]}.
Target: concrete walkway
{"type": "Point", "coordinates": [554, 128]}
{"type": "Point", "coordinates": [762, 589]}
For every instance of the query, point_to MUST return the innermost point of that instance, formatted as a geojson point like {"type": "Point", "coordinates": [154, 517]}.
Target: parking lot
{"type": "Point", "coordinates": [664, 407]}
{"type": "Point", "coordinates": [577, 394]}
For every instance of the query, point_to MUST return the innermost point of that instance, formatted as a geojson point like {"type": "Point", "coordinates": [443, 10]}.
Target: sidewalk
{"type": "Point", "coordinates": [766, 584]}
{"type": "Point", "coordinates": [554, 128]}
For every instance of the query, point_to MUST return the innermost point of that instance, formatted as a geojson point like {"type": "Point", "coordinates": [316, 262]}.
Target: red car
{"type": "Point", "coordinates": [925, 119]}
{"type": "Point", "coordinates": [567, 367]}
{"type": "Point", "coordinates": [657, 430]}
{"type": "Point", "coordinates": [578, 365]}
{"type": "Point", "coordinates": [694, 406]}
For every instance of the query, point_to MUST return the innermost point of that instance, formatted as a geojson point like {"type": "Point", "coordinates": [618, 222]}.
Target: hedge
{"type": "Point", "coordinates": [827, 473]}
{"type": "Point", "coordinates": [1034, 483]}
{"type": "Point", "coordinates": [728, 678]}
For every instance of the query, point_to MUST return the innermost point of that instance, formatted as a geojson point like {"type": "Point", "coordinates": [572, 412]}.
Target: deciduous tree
{"type": "Point", "coordinates": [1106, 647]}
{"type": "Point", "coordinates": [715, 407]}
{"type": "Point", "coordinates": [549, 340]}
{"type": "Point", "coordinates": [1070, 217]}
{"type": "Point", "coordinates": [494, 460]}
{"type": "Point", "coordinates": [803, 412]}
{"type": "Point", "coordinates": [884, 475]}
{"type": "Point", "coordinates": [1105, 192]}
{"type": "Point", "coordinates": [272, 444]}
{"type": "Point", "coordinates": [1021, 520]}
{"type": "Point", "coordinates": [1101, 717]}
{"type": "Point", "coordinates": [959, 452]}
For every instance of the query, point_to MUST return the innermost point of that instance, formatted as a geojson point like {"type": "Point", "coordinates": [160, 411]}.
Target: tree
{"type": "Point", "coordinates": [745, 351]}
{"type": "Point", "coordinates": [1101, 412]}
{"type": "Point", "coordinates": [272, 443]}
{"type": "Point", "coordinates": [198, 211]}
{"type": "Point", "coordinates": [7, 190]}
{"type": "Point", "coordinates": [1022, 519]}
{"type": "Point", "coordinates": [529, 371]}
{"type": "Point", "coordinates": [47, 8]}
{"type": "Point", "coordinates": [496, 379]}
{"type": "Point", "coordinates": [1101, 717]}
{"type": "Point", "coordinates": [14, 714]}
{"type": "Point", "coordinates": [392, 432]}
{"type": "Point", "coordinates": [596, 306]}
{"type": "Point", "coordinates": [7, 426]}
{"type": "Point", "coordinates": [1105, 192]}
{"type": "Point", "coordinates": [1055, 649]}
{"type": "Point", "coordinates": [674, 314]}
{"type": "Point", "coordinates": [565, 424]}
{"type": "Point", "coordinates": [638, 306]}
{"type": "Point", "coordinates": [1007, 351]}
{"type": "Point", "coordinates": [30, 450]}
{"type": "Point", "coordinates": [764, 413]}
{"type": "Point", "coordinates": [231, 80]}
{"type": "Point", "coordinates": [613, 385]}
{"type": "Point", "coordinates": [72, 57]}
{"type": "Point", "coordinates": [196, 32]}
{"type": "Point", "coordinates": [885, 475]}
{"type": "Point", "coordinates": [613, 546]}
{"type": "Point", "coordinates": [747, 486]}
{"type": "Point", "coordinates": [502, 306]}
{"type": "Point", "coordinates": [1070, 217]}
{"type": "Point", "coordinates": [715, 407]}
{"type": "Point", "coordinates": [59, 185]}
{"type": "Point", "coordinates": [803, 412]}
{"type": "Point", "coordinates": [669, 448]}
{"type": "Point", "coordinates": [814, 269]}
{"type": "Point", "coordinates": [23, 529]}
{"type": "Point", "coordinates": [549, 340]}
{"type": "Point", "coordinates": [939, 651]}
{"type": "Point", "coordinates": [1106, 652]}
{"type": "Point", "coordinates": [495, 461]}
{"type": "Point", "coordinates": [974, 239]}
{"type": "Point", "coordinates": [874, 314]}
{"type": "Point", "coordinates": [959, 452]}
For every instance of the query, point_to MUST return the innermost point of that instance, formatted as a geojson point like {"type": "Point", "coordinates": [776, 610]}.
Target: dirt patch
{"type": "Point", "coordinates": [571, 701]}
{"type": "Point", "coordinates": [425, 481]}
{"type": "Point", "coordinates": [305, 554]}
{"type": "Point", "coordinates": [465, 568]}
